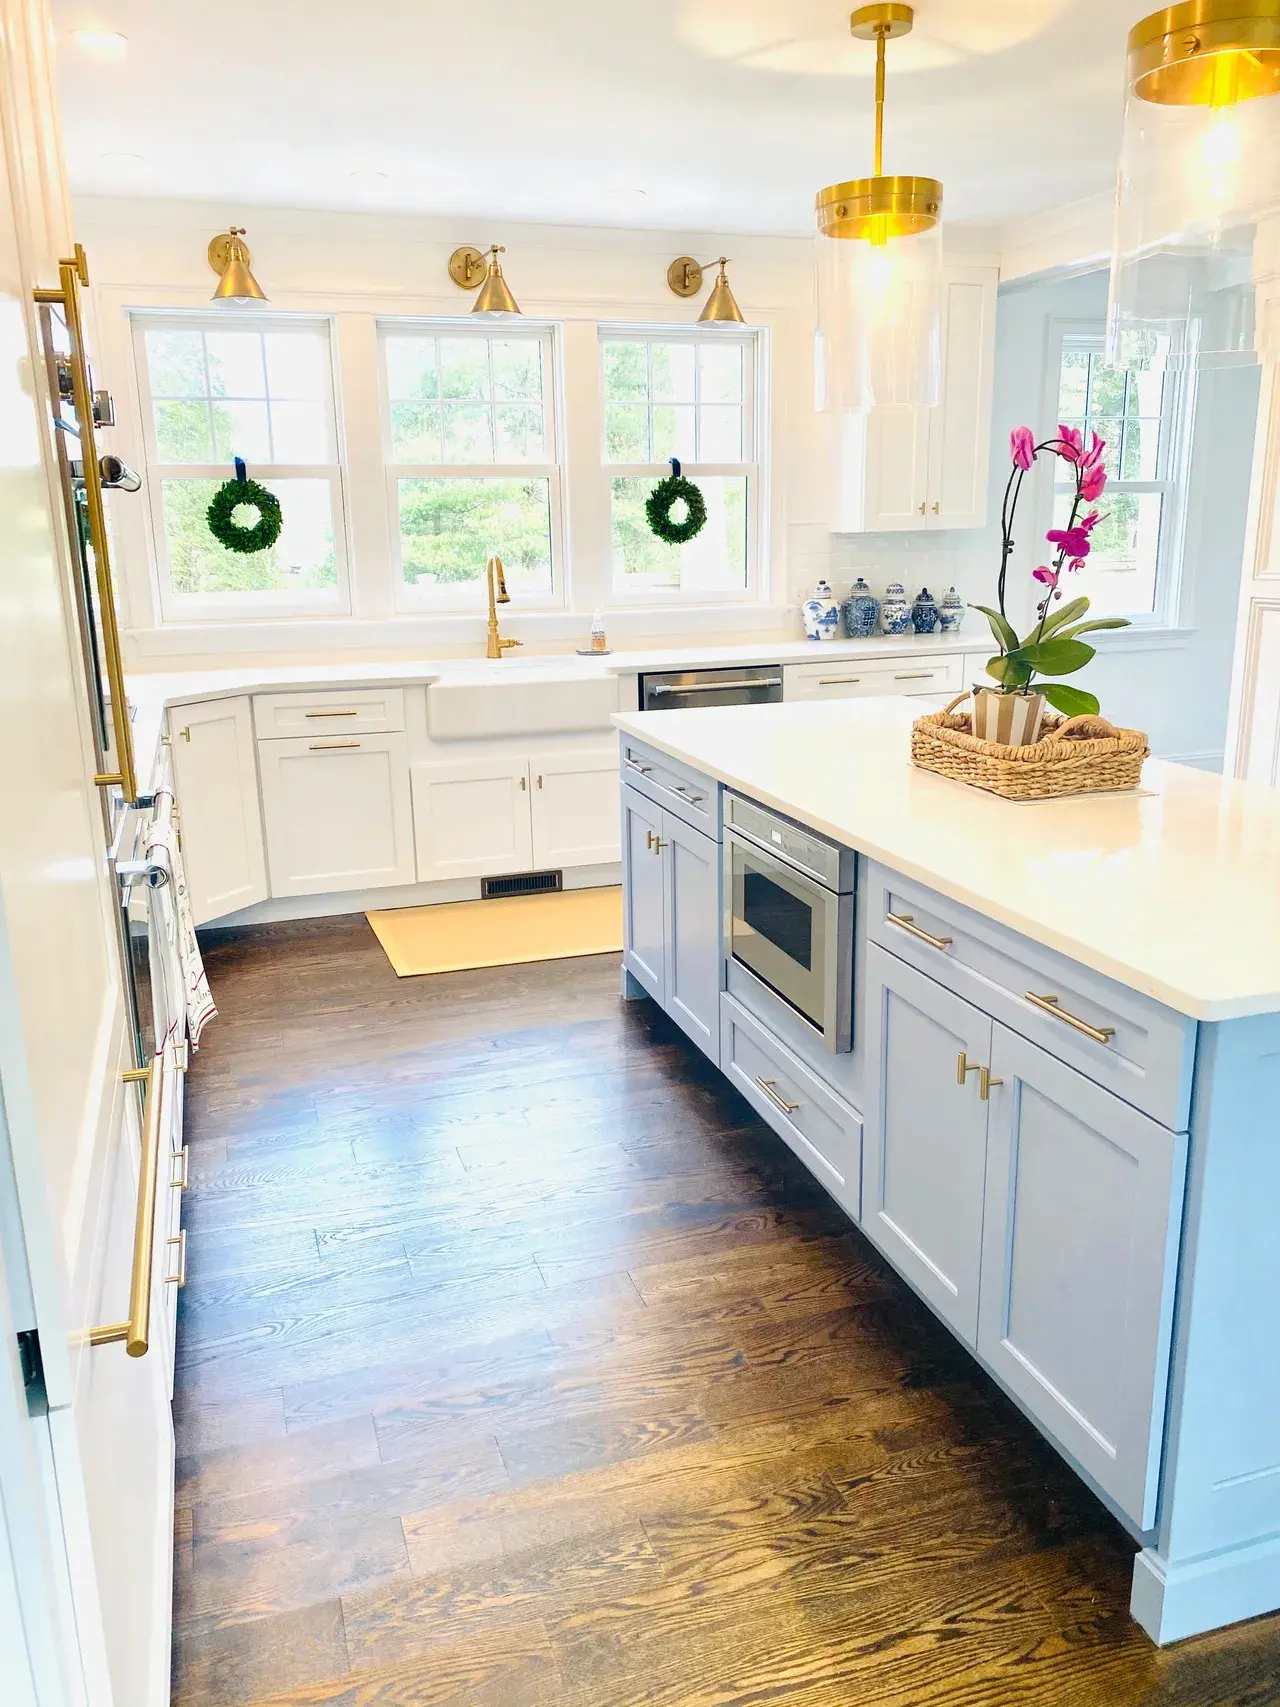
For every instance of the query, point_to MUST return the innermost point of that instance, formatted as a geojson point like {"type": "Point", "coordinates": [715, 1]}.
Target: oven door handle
{"type": "Point", "coordinates": [714, 687]}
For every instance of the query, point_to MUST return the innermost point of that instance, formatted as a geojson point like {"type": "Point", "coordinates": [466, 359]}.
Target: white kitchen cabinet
{"type": "Point", "coordinates": [573, 800]}
{"type": "Point", "coordinates": [643, 895]}
{"type": "Point", "coordinates": [1083, 1211]}
{"type": "Point", "coordinates": [903, 470]}
{"type": "Point", "coordinates": [217, 788]}
{"type": "Point", "coordinates": [471, 818]}
{"type": "Point", "coordinates": [671, 916]}
{"type": "Point", "coordinates": [858, 678]}
{"type": "Point", "coordinates": [337, 813]}
{"type": "Point", "coordinates": [924, 1163]}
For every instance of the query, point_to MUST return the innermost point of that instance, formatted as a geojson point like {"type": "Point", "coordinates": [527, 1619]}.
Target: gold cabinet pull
{"type": "Point", "coordinates": [964, 1066]}
{"type": "Point", "coordinates": [136, 1332]}
{"type": "Point", "coordinates": [770, 1089]}
{"type": "Point", "coordinates": [524, 784]}
{"type": "Point", "coordinates": [185, 733]}
{"type": "Point", "coordinates": [331, 746]}
{"type": "Point", "coordinates": [923, 507]}
{"type": "Point", "coordinates": [183, 1159]}
{"type": "Point", "coordinates": [539, 782]}
{"type": "Point", "coordinates": [838, 681]}
{"type": "Point", "coordinates": [1051, 1005]}
{"type": "Point", "coordinates": [915, 676]}
{"type": "Point", "coordinates": [906, 922]}
{"type": "Point", "coordinates": [180, 1279]}
{"type": "Point", "coordinates": [937, 508]}
{"type": "Point", "coordinates": [985, 1082]}
{"type": "Point", "coordinates": [658, 845]}
{"type": "Point", "coordinates": [331, 714]}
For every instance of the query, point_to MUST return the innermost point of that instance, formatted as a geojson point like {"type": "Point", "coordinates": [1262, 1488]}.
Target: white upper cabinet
{"type": "Point", "coordinates": [217, 787]}
{"type": "Point", "coordinates": [906, 469]}
{"type": "Point", "coordinates": [337, 813]}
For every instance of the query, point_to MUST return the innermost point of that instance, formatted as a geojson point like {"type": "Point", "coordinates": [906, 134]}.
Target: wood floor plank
{"type": "Point", "coordinates": [520, 1365]}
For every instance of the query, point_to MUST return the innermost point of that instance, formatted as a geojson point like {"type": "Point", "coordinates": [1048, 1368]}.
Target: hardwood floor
{"type": "Point", "coordinates": [521, 1366]}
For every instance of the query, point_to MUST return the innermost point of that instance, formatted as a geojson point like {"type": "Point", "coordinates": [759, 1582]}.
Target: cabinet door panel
{"type": "Point", "coordinates": [643, 894]}
{"type": "Point", "coordinates": [574, 798]}
{"type": "Point", "coordinates": [472, 818]}
{"type": "Point", "coordinates": [1084, 1198]}
{"type": "Point", "coordinates": [926, 1146]}
{"type": "Point", "coordinates": [337, 814]}
{"type": "Point", "coordinates": [960, 428]}
{"type": "Point", "coordinates": [691, 869]}
{"type": "Point", "coordinates": [216, 778]}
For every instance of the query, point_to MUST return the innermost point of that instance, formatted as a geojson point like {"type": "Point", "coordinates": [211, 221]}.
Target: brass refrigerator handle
{"type": "Point", "coordinates": [73, 273]}
{"type": "Point", "coordinates": [136, 1332]}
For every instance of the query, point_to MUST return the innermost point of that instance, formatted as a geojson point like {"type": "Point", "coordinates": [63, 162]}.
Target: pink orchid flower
{"type": "Point", "coordinates": [1022, 447]}
{"type": "Point", "coordinates": [1070, 445]}
{"type": "Point", "coordinates": [1045, 574]}
{"type": "Point", "coordinates": [1089, 522]}
{"type": "Point", "coordinates": [1093, 483]}
{"type": "Point", "coordinates": [1072, 542]}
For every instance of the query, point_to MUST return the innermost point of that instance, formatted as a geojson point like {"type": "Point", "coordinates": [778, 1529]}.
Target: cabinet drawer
{"type": "Point", "coordinates": [1134, 1046]}
{"type": "Point", "coordinates": [685, 792]}
{"type": "Point", "coordinates": [362, 711]}
{"type": "Point", "coordinates": [854, 677]}
{"type": "Point", "coordinates": [822, 1129]}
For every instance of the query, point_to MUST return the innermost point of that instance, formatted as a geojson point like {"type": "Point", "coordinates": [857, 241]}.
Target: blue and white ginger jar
{"type": "Point", "coordinates": [924, 612]}
{"type": "Point", "coordinates": [861, 611]}
{"type": "Point", "coordinates": [895, 612]}
{"type": "Point", "coordinates": [951, 608]}
{"type": "Point", "coordinates": [821, 613]}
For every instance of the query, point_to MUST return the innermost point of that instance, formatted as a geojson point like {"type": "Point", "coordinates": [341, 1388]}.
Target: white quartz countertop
{"type": "Point", "coordinates": [1173, 891]}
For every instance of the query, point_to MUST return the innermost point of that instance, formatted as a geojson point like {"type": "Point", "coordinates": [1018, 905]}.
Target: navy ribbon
{"type": "Point", "coordinates": [241, 476]}
{"type": "Point", "coordinates": [675, 467]}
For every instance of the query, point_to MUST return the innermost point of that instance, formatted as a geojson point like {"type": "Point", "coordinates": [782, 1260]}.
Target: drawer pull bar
{"type": "Point", "coordinates": [689, 795]}
{"type": "Point", "coordinates": [183, 1158]}
{"type": "Point", "coordinates": [985, 1082]}
{"type": "Point", "coordinates": [331, 714]}
{"type": "Point", "coordinates": [331, 746]}
{"type": "Point", "coordinates": [905, 922]}
{"type": "Point", "coordinates": [838, 681]}
{"type": "Point", "coordinates": [1051, 1005]}
{"type": "Point", "coordinates": [964, 1066]}
{"type": "Point", "coordinates": [916, 676]}
{"type": "Point", "coordinates": [769, 1087]}
{"type": "Point", "coordinates": [180, 1279]}
{"type": "Point", "coordinates": [644, 770]}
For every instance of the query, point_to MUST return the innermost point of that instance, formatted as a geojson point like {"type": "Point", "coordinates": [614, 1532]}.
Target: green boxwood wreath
{"type": "Point", "coordinates": [665, 495]}
{"type": "Point", "coordinates": [228, 498]}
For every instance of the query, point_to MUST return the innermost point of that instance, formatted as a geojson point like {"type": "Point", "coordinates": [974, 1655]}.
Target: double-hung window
{"type": "Point", "coordinates": [472, 460]}
{"type": "Point", "coordinates": [691, 396]}
{"type": "Point", "coordinates": [1140, 410]}
{"type": "Point", "coordinates": [219, 387]}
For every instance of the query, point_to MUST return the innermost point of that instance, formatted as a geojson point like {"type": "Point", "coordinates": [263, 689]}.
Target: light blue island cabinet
{"type": "Point", "coordinates": [1080, 1179]}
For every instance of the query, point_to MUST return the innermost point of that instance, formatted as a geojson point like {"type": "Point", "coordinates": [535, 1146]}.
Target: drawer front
{"type": "Point", "coordinates": [670, 784]}
{"type": "Point", "coordinates": [362, 711]}
{"type": "Point", "coordinates": [857, 677]}
{"type": "Point", "coordinates": [1134, 1046]}
{"type": "Point", "coordinates": [822, 1129]}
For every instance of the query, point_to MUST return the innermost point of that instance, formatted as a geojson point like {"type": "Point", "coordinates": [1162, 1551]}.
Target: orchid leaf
{"type": "Point", "coordinates": [1096, 622]}
{"type": "Point", "coordinates": [1058, 657]}
{"type": "Point", "coordinates": [1009, 669]}
{"type": "Point", "coordinates": [1065, 613]}
{"type": "Point", "coordinates": [1072, 702]}
{"type": "Point", "coordinates": [1003, 630]}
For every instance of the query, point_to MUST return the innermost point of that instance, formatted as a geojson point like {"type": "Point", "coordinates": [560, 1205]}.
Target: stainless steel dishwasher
{"type": "Point", "coordinates": [684, 690]}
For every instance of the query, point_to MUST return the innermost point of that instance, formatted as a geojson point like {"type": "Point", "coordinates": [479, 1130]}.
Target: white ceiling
{"type": "Point", "coordinates": [727, 114]}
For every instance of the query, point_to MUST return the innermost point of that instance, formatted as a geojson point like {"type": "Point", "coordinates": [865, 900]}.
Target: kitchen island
{"type": "Point", "coordinates": [1033, 1050]}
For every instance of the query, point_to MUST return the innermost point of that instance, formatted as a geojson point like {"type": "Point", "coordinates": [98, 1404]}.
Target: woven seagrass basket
{"type": "Point", "coordinates": [1075, 755]}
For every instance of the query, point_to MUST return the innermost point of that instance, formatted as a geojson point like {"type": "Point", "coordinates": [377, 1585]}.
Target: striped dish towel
{"type": "Point", "coordinates": [195, 985]}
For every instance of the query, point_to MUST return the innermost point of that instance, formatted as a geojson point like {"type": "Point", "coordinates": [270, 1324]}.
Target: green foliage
{"type": "Point", "coordinates": [448, 527]}
{"type": "Point", "coordinates": [1006, 639]}
{"type": "Point", "coordinates": [1072, 702]}
{"type": "Point", "coordinates": [1056, 657]}
{"type": "Point", "coordinates": [666, 494]}
{"type": "Point", "coordinates": [229, 510]}
{"type": "Point", "coordinates": [303, 558]}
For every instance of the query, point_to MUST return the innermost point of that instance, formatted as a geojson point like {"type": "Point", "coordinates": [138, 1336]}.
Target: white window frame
{"type": "Point", "coordinates": [1177, 421]}
{"type": "Point", "coordinates": [751, 343]}
{"type": "Point", "coordinates": [461, 596]}
{"type": "Point", "coordinates": [223, 607]}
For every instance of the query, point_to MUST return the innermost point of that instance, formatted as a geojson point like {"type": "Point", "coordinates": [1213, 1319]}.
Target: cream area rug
{"type": "Point", "coordinates": [457, 936]}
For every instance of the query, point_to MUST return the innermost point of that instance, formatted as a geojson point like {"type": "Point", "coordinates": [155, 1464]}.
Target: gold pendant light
{"type": "Point", "coordinates": [230, 258]}
{"type": "Point", "coordinates": [1199, 171]}
{"type": "Point", "coordinates": [879, 266]}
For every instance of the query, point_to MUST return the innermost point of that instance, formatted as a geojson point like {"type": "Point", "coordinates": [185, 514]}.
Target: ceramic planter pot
{"type": "Point", "coordinates": [1012, 719]}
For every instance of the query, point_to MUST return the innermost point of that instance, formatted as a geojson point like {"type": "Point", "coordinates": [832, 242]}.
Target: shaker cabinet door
{"type": "Point", "coordinates": [471, 818]}
{"type": "Point", "coordinates": [643, 893]}
{"type": "Point", "coordinates": [337, 814]}
{"type": "Point", "coordinates": [574, 801]}
{"type": "Point", "coordinates": [926, 1140]}
{"type": "Point", "coordinates": [1084, 1205]}
{"type": "Point", "coordinates": [216, 782]}
{"type": "Point", "coordinates": [692, 931]}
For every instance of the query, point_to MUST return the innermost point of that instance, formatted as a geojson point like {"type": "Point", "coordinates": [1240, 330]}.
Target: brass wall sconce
{"type": "Point", "coordinates": [230, 258]}
{"type": "Point", "coordinates": [468, 268]}
{"type": "Point", "coordinates": [685, 278]}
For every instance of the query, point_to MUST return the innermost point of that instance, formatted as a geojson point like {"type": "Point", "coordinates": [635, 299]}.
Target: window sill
{"type": "Point", "coordinates": [1143, 637]}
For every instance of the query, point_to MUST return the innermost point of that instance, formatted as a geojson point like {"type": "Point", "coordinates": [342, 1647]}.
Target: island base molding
{"type": "Point", "coordinates": [1173, 1601]}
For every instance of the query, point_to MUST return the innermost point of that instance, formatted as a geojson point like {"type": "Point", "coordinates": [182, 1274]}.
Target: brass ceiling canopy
{"type": "Point", "coordinates": [230, 258]}
{"type": "Point", "coordinates": [1206, 53]}
{"type": "Point", "coordinates": [879, 207]}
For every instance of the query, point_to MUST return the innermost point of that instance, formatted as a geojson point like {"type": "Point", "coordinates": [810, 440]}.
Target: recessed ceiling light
{"type": "Point", "coordinates": [122, 157]}
{"type": "Point", "coordinates": [367, 177]}
{"type": "Point", "coordinates": [623, 193]}
{"type": "Point", "coordinates": [103, 44]}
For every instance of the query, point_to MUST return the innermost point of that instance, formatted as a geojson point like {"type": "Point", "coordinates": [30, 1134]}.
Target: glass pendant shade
{"type": "Point", "coordinates": [1199, 181]}
{"type": "Point", "coordinates": [879, 269]}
